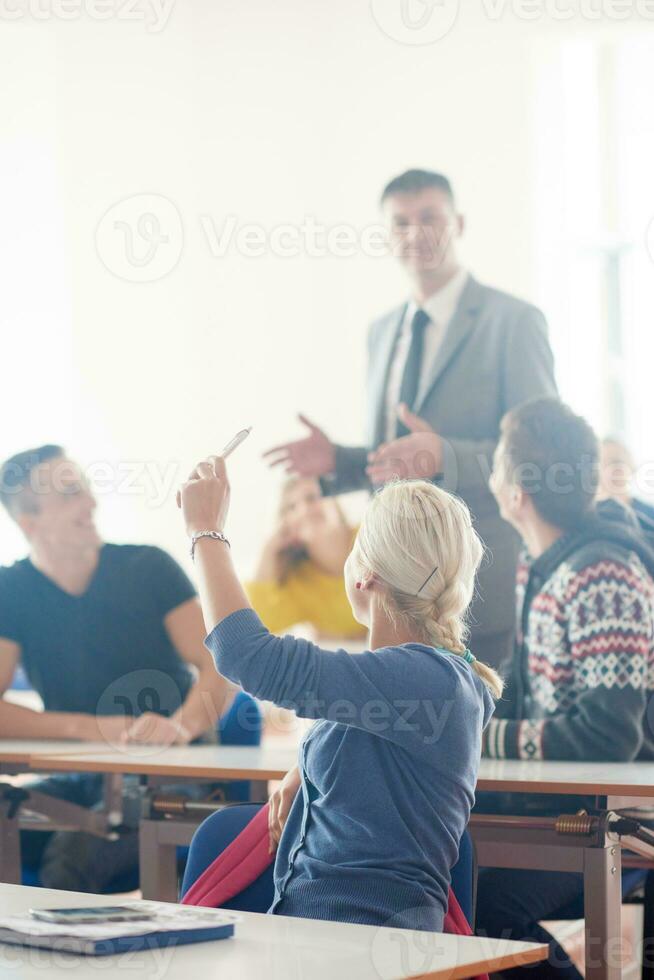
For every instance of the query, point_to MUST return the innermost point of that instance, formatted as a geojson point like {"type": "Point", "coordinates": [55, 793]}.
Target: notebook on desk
{"type": "Point", "coordinates": [170, 925]}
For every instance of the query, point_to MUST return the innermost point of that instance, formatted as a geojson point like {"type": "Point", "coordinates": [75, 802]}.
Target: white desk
{"type": "Point", "coordinates": [609, 779]}
{"type": "Point", "coordinates": [17, 753]}
{"type": "Point", "coordinates": [215, 762]}
{"type": "Point", "coordinates": [270, 946]}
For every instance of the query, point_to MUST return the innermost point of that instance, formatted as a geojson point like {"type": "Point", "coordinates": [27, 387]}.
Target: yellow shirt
{"type": "Point", "coordinates": [308, 595]}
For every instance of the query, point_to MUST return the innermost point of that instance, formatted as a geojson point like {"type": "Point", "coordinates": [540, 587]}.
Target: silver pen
{"type": "Point", "coordinates": [227, 451]}
{"type": "Point", "coordinates": [236, 442]}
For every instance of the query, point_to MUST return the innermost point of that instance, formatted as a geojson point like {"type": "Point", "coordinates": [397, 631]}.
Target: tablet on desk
{"type": "Point", "coordinates": [98, 913]}
{"type": "Point", "coordinates": [159, 925]}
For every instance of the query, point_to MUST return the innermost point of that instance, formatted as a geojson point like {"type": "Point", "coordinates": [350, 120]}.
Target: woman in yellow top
{"type": "Point", "coordinates": [299, 578]}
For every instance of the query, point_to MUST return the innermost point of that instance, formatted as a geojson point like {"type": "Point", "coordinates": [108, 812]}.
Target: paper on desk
{"type": "Point", "coordinates": [165, 918]}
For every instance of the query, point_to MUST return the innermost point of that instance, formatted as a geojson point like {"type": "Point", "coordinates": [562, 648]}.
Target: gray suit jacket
{"type": "Point", "coordinates": [494, 356]}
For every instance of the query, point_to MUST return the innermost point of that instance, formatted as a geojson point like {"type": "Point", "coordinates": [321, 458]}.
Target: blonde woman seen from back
{"type": "Point", "coordinates": [299, 577]}
{"type": "Point", "coordinates": [388, 774]}
{"type": "Point", "coordinates": [409, 528]}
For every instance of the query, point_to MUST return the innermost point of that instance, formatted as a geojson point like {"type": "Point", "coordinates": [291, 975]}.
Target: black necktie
{"type": "Point", "coordinates": [411, 376]}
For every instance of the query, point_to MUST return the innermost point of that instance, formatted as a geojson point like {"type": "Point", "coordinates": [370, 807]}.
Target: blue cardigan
{"type": "Point", "coordinates": [388, 772]}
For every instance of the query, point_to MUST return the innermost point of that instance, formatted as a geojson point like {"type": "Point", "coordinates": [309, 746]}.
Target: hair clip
{"type": "Point", "coordinates": [426, 580]}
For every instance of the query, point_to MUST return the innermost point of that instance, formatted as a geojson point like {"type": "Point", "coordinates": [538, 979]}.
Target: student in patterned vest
{"type": "Point", "coordinates": [583, 666]}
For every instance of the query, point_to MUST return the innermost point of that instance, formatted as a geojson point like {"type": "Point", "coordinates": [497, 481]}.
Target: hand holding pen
{"type": "Point", "coordinates": [233, 444]}
{"type": "Point", "coordinates": [204, 498]}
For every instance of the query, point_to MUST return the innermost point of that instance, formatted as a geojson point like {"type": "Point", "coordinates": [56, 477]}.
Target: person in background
{"type": "Point", "coordinates": [111, 638]}
{"type": "Point", "coordinates": [443, 368]}
{"type": "Point", "coordinates": [299, 578]}
{"type": "Point", "coordinates": [583, 669]}
{"type": "Point", "coordinates": [617, 472]}
{"type": "Point", "coordinates": [400, 723]}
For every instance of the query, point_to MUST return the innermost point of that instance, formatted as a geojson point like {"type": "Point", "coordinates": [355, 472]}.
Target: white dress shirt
{"type": "Point", "coordinates": [440, 309]}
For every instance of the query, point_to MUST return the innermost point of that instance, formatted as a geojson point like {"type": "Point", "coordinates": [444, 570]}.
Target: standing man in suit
{"type": "Point", "coordinates": [443, 369]}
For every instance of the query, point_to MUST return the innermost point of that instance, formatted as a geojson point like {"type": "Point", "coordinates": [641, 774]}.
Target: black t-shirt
{"type": "Point", "coordinates": [106, 651]}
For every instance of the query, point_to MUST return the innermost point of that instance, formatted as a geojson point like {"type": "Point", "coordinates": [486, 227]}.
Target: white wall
{"type": "Point", "coordinates": [268, 113]}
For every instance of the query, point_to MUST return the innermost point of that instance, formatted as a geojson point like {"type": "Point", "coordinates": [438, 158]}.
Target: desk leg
{"type": "Point", "coordinates": [602, 904]}
{"type": "Point", "coordinates": [157, 862]}
{"type": "Point", "coordinates": [9, 846]}
{"type": "Point", "coordinates": [258, 791]}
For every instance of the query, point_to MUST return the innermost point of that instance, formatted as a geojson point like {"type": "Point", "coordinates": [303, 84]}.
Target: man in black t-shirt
{"type": "Point", "coordinates": [110, 636]}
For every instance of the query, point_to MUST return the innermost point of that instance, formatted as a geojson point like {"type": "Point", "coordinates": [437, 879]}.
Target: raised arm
{"type": "Point", "coordinates": [389, 693]}
{"type": "Point", "coordinates": [403, 696]}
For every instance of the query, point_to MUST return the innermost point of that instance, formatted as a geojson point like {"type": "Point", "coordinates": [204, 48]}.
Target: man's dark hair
{"type": "Point", "coordinates": [414, 181]}
{"type": "Point", "coordinates": [15, 474]}
{"type": "Point", "coordinates": [553, 455]}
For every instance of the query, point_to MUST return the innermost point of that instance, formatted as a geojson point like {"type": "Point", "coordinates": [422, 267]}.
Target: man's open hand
{"type": "Point", "coordinates": [416, 456]}
{"type": "Point", "coordinates": [312, 456]}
